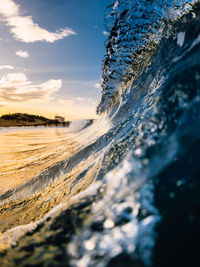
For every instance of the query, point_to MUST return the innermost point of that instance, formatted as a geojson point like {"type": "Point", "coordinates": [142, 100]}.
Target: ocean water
{"type": "Point", "coordinates": [25, 153]}
{"type": "Point", "coordinates": [123, 191]}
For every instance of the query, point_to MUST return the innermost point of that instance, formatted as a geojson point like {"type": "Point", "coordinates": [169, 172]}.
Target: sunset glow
{"type": "Point", "coordinates": [51, 57]}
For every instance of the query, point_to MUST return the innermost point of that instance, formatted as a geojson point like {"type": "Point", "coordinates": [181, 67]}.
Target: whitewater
{"type": "Point", "coordinates": [123, 191]}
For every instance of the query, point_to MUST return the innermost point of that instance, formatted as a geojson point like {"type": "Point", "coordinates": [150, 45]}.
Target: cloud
{"type": "Point", "coordinates": [8, 8]}
{"type": "Point", "coordinates": [16, 87]}
{"type": "Point", "coordinates": [105, 33]}
{"type": "Point", "coordinates": [25, 29]}
{"type": "Point", "coordinates": [23, 54]}
{"type": "Point", "coordinates": [6, 67]}
{"type": "Point", "coordinates": [97, 85]}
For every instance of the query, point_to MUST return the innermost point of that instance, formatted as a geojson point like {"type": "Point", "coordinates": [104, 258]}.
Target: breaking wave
{"type": "Point", "coordinates": [127, 193]}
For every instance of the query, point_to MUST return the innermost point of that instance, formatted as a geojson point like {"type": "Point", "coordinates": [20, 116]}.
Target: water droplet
{"type": "Point", "coordinates": [138, 152]}
{"type": "Point", "coordinates": [108, 224]}
{"type": "Point", "coordinates": [179, 183]}
{"type": "Point", "coordinates": [89, 244]}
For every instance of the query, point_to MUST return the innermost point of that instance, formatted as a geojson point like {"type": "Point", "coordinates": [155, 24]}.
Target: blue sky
{"type": "Point", "coordinates": [51, 56]}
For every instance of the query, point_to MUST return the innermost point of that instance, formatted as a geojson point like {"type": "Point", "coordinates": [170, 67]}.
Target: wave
{"type": "Point", "coordinates": [137, 29]}
{"type": "Point", "coordinates": [129, 192]}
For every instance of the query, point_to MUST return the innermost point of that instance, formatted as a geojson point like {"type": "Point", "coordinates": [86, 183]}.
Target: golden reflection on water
{"type": "Point", "coordinates": [26, 153]}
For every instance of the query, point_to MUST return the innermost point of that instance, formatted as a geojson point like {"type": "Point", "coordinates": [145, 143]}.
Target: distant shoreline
{"type": "Point", "coordinates": [23, 119]}
{"type": "Point", "coordinates": [21, 124]}
{"type": "Point", "coordinates": [27, 120]}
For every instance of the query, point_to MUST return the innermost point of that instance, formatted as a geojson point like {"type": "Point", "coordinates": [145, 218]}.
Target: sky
{"type": "Point", "coordinates": [51, 56]}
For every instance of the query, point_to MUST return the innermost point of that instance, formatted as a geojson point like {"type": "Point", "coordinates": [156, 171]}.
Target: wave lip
{"type": "Point", "coordinates": [136, 29]}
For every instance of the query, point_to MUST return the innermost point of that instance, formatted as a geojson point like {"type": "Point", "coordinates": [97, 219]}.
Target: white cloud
{"type": "Point", "coordinates": [25, 29]}
{"type": "Point", "coordinates": [97, 85]}
{"type": "Point", "coordinates": [105, 33]}
{"type": "Point", "coordinates": [16, 87]}
{"type": "Point", "coordinates": [22, 53]}
{"type": "Point", "coordinates": [6, 67]}
{"type": "Point", "coordinates": [8, 8]}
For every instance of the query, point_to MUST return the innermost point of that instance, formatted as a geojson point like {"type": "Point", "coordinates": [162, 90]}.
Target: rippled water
{"type": "Point", "coordinates": [25, 153]}
{"type": "Point", "coordinates": [34, 158]}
